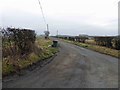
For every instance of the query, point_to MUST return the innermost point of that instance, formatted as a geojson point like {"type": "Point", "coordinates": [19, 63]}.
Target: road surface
{"type": "Point", "coordinates": [73, 67]}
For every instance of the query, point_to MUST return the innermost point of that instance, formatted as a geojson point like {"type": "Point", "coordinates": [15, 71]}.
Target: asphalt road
{"type": "Point", "coordinates": [73, 67]}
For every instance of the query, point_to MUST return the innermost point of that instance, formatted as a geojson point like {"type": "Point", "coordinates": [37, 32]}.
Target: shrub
{"type": "Point", "coordinates": [17, 41]}
{"type": "Point", "coordinates": [116, 43]}
{"type": "Point", "coordinates": [104, 41]}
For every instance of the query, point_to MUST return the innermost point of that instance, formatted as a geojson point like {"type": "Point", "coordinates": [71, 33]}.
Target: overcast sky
{"type": "Point", "coordinates": [69, 17]}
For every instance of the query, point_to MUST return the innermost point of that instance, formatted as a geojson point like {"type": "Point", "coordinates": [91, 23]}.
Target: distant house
{"type": "Point", "coordinates": [85, 35]}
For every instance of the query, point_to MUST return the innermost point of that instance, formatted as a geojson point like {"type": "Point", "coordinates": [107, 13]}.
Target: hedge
{"type": "Point", "coordinates": [17, 41]}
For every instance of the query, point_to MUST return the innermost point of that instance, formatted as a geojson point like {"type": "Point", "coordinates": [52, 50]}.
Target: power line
{"type": "Point", "coordinates": [42, 12]}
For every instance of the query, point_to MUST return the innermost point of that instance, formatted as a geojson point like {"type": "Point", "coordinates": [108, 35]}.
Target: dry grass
{"type": "Point", "coordinates": [90, 42]}
{"type": "Point", "coordinates": [101, 49]}
{"type": "Point", "coordinates": [42, 51]}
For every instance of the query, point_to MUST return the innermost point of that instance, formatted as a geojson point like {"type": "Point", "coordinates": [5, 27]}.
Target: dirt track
{"type": "Point", "coordinates": [73, 67]}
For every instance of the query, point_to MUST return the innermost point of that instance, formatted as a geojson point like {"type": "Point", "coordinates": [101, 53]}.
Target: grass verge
{"type": "Point", "coordinates": [101, 49]}
{"type": "Point", "coordinates": [42, 51]}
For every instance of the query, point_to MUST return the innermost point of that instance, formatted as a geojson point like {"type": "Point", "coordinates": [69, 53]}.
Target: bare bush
{"type": "Point", "coordinates": [17, 41]}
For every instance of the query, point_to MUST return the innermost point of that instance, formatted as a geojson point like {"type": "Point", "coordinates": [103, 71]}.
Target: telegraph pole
{"type": "Point", "coordinates": [47, 27]}
{"type": "Point", "coordinates": [57, 33]}
{"type": "Point", "coordinates": [47, 32]}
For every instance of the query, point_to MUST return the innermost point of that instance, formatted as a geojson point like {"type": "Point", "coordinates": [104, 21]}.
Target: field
{"type": "Point", "coordinates": [42, 51]}
{"type": "Point", "coordinates": [90, 42]}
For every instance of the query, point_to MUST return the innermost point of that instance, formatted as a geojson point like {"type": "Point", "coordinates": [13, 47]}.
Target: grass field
{"type": "Point", "coordinates": [101, 49]}
{"type": "Point", "coordinates": [90, 42]}
{"type": "Point", "coordinates": [42, 51]}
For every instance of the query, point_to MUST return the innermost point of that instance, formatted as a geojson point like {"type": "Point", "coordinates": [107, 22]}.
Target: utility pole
{"type": "Point", "coordinates": [57, 33]}
{"type": "Point", "coordinates": [47, 28]}
{"type": "Point", "coordinates": [47, 33]}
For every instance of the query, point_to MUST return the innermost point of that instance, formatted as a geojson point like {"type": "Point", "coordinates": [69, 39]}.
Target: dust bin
{"type": "Point", "coordinates": [55, 43]}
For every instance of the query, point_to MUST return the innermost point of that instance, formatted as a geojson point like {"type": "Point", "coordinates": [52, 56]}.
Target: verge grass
{"type": "Point", "coordinates": [101, 49]}
{"type": "Point", "coordinates": [42, 51]}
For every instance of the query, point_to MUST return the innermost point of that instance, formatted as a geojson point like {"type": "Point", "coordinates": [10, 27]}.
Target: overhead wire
{"type": "Point", "coordinates": [42, 12]}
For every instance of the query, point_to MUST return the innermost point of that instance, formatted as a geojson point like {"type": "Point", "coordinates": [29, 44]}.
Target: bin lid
{"type": "Point", "coordinates": [55, 40]}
